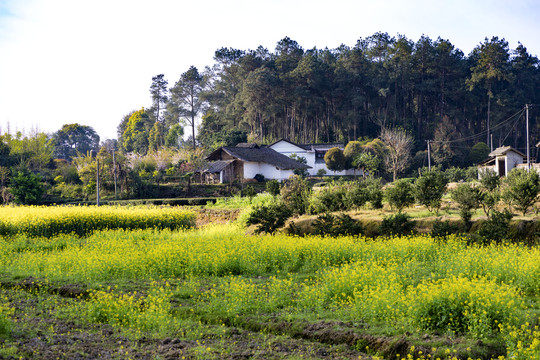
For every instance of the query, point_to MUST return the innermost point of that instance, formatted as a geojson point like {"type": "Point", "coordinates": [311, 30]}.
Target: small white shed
{"type": "Point", "coordinates": [502, 160]}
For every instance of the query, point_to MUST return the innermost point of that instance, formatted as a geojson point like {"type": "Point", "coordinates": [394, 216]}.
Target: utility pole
{"type": "Point", "coordinates": [429, 154]}
{"type": "Point", "coordinates": [491, 141]}
{"type": "Point", "coordinates": [97, 180]}
{"type": "Point", "coordinates": [114, 172]}
{"type": "Point", "coordinates": [527, 127]}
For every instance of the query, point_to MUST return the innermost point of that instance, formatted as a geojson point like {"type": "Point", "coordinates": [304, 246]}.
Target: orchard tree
{"type": "Point", "coordinates": [429, 189]}
{"type": "Point", "coordinates": [521, 189]}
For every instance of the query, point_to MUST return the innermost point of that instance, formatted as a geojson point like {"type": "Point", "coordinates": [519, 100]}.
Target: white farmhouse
{"type": "Point", "coordinates": [245, 161]}
{"type": "Point", "coordinates": [313, 153]}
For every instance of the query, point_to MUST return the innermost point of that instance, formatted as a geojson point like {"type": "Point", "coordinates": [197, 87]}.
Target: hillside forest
{"type": "Point", "coordinates": [424, 90]}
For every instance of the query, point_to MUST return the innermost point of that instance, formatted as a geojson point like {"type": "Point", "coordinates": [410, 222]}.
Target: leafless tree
{"type": "Point", "coordinates": [399, 145]}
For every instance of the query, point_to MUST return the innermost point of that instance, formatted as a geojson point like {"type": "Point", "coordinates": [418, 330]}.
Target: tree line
{"type": "Point", "coordinates": [428, 88]}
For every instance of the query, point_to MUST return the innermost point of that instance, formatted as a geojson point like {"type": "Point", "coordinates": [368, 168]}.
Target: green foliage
{"type": "Point", "coordinates": [521, 189]}
{"type": "Point", "coordinates": [375, 191]}
{"type": "Point", "coordinates": [33, 152]}
{"type": "Point", "coordinates": [329, 199]}
{"type": "Point", "coordinates": [496, 228]}
{"type": "Point", "coordinates": [489, 186]}
{"type": "Point", "coordinates": [6, 324]}
{"type": "Point", "coordinates": [455, 174]}
{"type": "Point", "coordinates": [72, 139]}
{"type": "Point", "coordinates": [442, 229]}
{"type": "Point", "coordinates": [135, 137]}
{"type": "Point", "coordinates": [351, 151]}
{"type": "Point", "coordinates": [471, 173]}
{"type": "Point", "coordinates": [296, 194]}
{"type": "Point", "coordinates": [335, 159]}
{"type": "Point", "coordinates": [26, 188]}
{"type": "Point", "coordinates": [301, 160]}
{"type": "Point", "coordinates": [357, 194]}
{"type": "Point", "coordinates": [467, 198]}
{"type": "Point", "coordinates": [269, 218]}
{"type": "Point", "coordinates": [185, 101]}
{"type": "Point", "coordinates": [174, 136]}
{"type": "Point", "coordinates": [479, 152]}
{"type": "Point", "coordinates": [321, 172]}
{"type": "Point", "coordinates": [342, 224]}
{"type": "Point", "coordinates": [273, 187]}
{"type": "Point", "coordinates": [155, 137]}
{"type": "Point", "coordinates": [397, 225]}
{"type": "Point", "coordinates": [429, 189]}
{"type": "Point", "coordinates": [367, 162]}
{"type": "Point", "coordinates": [488, 201]}
{"type": "Point", "coordinates": [489, 180]}
{"type": "Point", "coordinates": [249, 192]}
{"type": "Point", "coordinates": [400, 195]}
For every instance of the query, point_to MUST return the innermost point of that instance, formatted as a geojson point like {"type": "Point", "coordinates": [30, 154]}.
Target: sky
{"type": "Point", "coordinates": [92, 61]}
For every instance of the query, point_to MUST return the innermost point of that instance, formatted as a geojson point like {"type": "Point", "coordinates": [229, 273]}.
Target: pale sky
{"type": "Point", "coordinates": [92, 61]}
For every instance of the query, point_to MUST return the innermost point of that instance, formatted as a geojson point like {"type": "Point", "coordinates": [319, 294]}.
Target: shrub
{"type": "Point", "coordinates": [396, 225]}
{"type": "Point", "coordinates": [329, 199]}
{"type": "Point", "coordinates": [400, 195]}
{"type": "Point", "coordinates": [442, 229]}
{"type": "Point", "coordinates": [489, 180]}
{"type": "Point", "coordinates": [374, 189]}
{"type": "Point", "coordinates": [521, 189]}
{"type": "Point", "coordinates": [357, 195]}
{"type": "Point", "coordinates": [471, 173]}
{"type": "Point", "coordinates": [269, 218]}
{"type": "Point", "coordinates": [488, 201]}
{"type": "Point", "coordinates": [321, 172]}
{"type": "Point", "coordinates": [342, 224]}
{"type": "Point", "coordinates": [496, 228]}
{"type": "Point", "coordinates": [273, 187]}
{"type": "Point", "coordinates": [455, 174]}
{"type": "Point", "coordinates": [429, 189]}
{"type": "Point", "coordinates": [249, 192]}
{"type": "Point", "coordinates": [259, 177]}
{"type": "Point", "coordinates": [26, 188]}
{"type": "Point", "coordinates": [296, 194]}
{"type": "Point", "coordinates": [468, 199]}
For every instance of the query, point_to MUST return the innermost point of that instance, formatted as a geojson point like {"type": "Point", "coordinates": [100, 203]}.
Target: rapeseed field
{"type": "Point", "coordinates": [168, 289]}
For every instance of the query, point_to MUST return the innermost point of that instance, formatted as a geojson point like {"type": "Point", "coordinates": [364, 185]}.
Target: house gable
{"type": "Point", "coordinates": [285, 147]}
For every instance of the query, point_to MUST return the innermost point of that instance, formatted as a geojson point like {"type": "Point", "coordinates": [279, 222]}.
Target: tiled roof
{"type": "Point", "coordinates": [503, 150]}
{"type": "Point", "coordinates": [264, 155]}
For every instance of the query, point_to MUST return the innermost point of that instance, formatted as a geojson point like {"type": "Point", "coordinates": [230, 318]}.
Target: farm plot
{"type": "Point", "coordinates": [217, 293]}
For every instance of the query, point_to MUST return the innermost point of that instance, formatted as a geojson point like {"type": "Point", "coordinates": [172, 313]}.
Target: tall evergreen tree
{"type": "Point", "coordinates": [185, 97]}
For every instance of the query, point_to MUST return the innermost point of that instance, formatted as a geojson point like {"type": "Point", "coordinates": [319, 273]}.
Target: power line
{"type": "Point", "coordinates": [482, 133]}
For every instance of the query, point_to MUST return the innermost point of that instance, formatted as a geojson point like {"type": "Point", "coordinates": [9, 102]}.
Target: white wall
{"type": "Point", "coordinates": [287, 149]}
{"type": "Point", "coordinates": [268, 171]}
{"type": "Point", "coordinates": [512, 159]}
